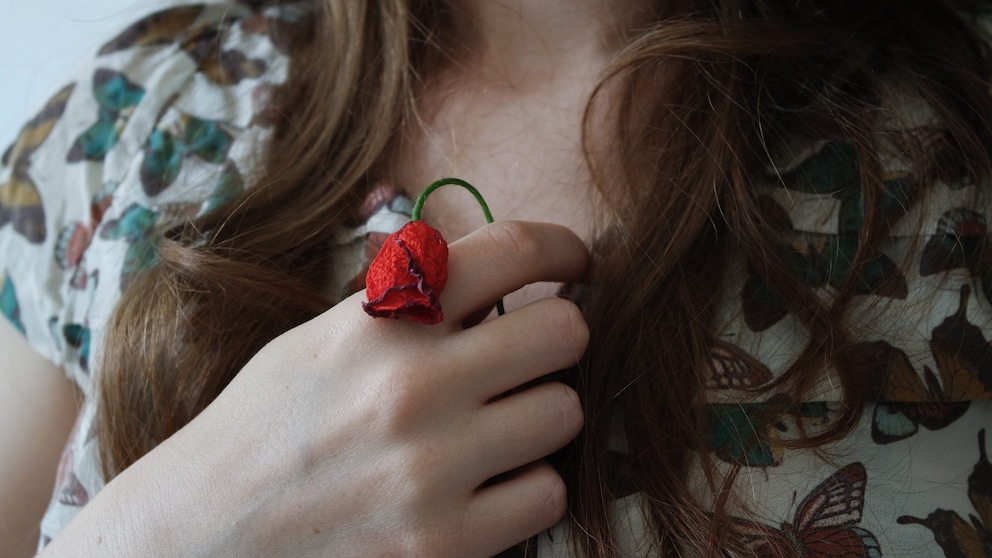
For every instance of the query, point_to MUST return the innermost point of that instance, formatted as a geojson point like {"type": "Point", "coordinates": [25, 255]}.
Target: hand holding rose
{"type": "Point", "coordinates": [349, 436]}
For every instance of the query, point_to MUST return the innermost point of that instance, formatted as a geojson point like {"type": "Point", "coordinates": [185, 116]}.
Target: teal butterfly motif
{"type": "Point", "coordinates": [142, 227]}
{"type": "Point", "coordinates": [169, 144]}
{"type": "Point", "coordinates": [78, 336]}
{"type": "Point", "coordinates": [136, 226]}
{"type": "Point", "coordinates": [9, 306]}
{"type": "Point", "coordinates": [117, 98]}
{"type": "Point", "coordinates": [818, 259]}
{"type": "Point", "coordinates": [752, 434]}
{"type": "Point", "coordinates": [228, 187]}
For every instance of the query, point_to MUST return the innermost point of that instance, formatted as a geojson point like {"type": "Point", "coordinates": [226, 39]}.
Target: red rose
{"type": "Point", "coordinates": [407, 276]}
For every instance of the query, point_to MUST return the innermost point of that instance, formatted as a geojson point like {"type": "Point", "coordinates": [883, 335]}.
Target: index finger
{"type": "Point", "coordinates": [503, 257]}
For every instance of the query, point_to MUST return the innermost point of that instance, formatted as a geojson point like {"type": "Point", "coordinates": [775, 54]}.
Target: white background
{"type": "Point", "coordinates": [40, 40]}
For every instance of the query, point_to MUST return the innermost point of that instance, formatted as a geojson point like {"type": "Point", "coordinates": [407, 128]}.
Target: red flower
{"type": "Point", "coordinates": [407, 276]}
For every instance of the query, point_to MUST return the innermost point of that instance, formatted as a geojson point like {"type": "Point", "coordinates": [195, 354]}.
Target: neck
{"type": "Point", "coordinates": [522, 40]}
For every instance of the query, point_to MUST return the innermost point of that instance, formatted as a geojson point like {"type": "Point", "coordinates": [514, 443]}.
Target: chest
{"type": "Point", "coordinates": [522, 147]}
{"type": "Point", "coordinates": [523, 150]}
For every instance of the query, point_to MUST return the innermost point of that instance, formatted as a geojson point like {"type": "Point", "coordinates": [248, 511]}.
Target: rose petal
{"type": "Point", "coordinates": [407, 276]}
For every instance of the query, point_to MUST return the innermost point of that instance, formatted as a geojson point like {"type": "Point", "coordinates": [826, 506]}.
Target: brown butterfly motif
{"type": "Point", "coordinates": [957, 537]}
{"type": "Point", "coordinates": [20, 201]}
{"type": "Point", "coordinates": [964, 373]}
{"type": "Point", "coordinates": [730, 367]}
{"type": "Point", "coordinates": [825, 524]}
{"type": "Point", "coordinates": [201, 41]}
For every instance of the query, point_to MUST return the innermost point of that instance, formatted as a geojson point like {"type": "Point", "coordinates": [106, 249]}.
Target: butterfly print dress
{"type": "Point", "coordinates": [167, 121]}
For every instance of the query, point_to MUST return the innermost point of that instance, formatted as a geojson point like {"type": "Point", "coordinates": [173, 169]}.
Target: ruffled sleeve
{"type": "Point", "coordinates": [159, 125]}
{"type": "Point", "coordinates": [165, 121]}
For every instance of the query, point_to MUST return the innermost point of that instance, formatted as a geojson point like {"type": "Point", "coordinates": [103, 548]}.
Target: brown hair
{"type": "Point", "coordinates": [708, 92]}
{"type": "Point", "coordinates": [747, 74]}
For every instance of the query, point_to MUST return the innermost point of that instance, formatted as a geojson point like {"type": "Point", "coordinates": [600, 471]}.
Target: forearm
{"type": "Point", "coordinates": [179, 500]}
{"type": "Point", "coordinates": [38, 406]}
{"type": "Point", "coordinates": [348, 436]}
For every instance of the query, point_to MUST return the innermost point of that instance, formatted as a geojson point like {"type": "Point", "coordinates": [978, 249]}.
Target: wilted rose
{"type": "Point", "coordinates": [407, 276]}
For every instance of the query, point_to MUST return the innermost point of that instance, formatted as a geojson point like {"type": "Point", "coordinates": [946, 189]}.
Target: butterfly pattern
{"type": "Point", "coordinates": [8, 303]}
{"type": "Point", "coordinates": [138, 158]}
{"type": "Point", "coordinates": [824, 260]}
{"type": "Point", "coordinates": [20, 201]}
{"type": "Point", "coordinates": [68, 488]}
{"type": "Point", "coordinates": [907, 401]}
{"type": "Point", "coordinates": [76, 236]}
{"type": "Point", "coordinates": [959, 242]}
{"type": "Point", "coordinates": [198, 40]}
{"type": "Point", "coordinates": [730, 367]}
{"type": "Point", "coordinates": [135, 226]}
{"type": "Point", "coordinates": [285, 27]}
{"type": "Point", "coordinates": [957, 537]}
{"type": "Point", "coordinates": [228, 187]}
{"type": "Point", "coordinates": [172, 142]}
{"type": "Point", "coordinates": [78, 337]}
{"type": "Point", "coordinates": [825, 524]}
{"type": "Point", "coordinates": [158, 29]}
{"type": "Point", "coordinates": [383, 211]}
{"type": "Point", "coordinates": [117, 97]}
{"type": "Point", "coordinates": [752, 434]}
{"type": "Point", "coordinates": [90, 183]}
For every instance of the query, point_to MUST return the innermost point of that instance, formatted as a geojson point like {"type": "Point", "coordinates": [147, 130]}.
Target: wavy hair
{"type": "Point", "coordinates": [708, 91]}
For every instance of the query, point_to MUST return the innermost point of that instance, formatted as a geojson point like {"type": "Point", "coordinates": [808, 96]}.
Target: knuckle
{"type": "Point", "coordinates": [418, 465]}
{"type": "Point", "coordinates": [564, 328]}
{"type": "Point", "coordinates": [568, 408]}
{"type": "Point", "coordinates": [437, 540]}
{"type": "Point", "coordinates": [567, 322]}
{"type": "Point", "coordinates": [401, 396]}
{"type": "Point", "coordinates": [517, 238]}
{"type": "Point", "coordinates": [419, 544]}
{"type": "Point", "coordinates": [551, 506]}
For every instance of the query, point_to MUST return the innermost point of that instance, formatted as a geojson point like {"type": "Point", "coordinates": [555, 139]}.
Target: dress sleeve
{"type": "Point", "coordinates": [162, 123]}
{"type": "Point", "coordinates": [155, 127]}
{"type": "Point", "coordinates": [35, 203]}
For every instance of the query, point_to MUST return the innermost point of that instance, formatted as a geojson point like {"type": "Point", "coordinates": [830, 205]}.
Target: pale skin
{"type": "Point", "coordinates": [349, 436]}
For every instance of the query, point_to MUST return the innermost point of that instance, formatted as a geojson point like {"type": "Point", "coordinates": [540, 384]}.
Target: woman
{"type": "Point", "coordinates": [782, 341]}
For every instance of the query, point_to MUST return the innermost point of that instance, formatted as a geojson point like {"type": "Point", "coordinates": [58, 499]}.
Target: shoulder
{"type": "Point", "coordinates": [160, 123]}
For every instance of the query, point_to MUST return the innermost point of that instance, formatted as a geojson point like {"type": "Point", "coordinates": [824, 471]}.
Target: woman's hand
{"type": "Point", "coordinates": [351, 436]}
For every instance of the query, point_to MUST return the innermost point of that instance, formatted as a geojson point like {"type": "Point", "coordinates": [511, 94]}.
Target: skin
{"type": "Point", "coordinates": [350, 436]}
{"type": "Point", "coordinates": [38, 406]}
{"type": "Point", "coordinates": [506, 114]}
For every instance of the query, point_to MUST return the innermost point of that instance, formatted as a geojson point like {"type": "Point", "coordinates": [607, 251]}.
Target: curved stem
{"type": "Point", "coordinates": [419, 206]}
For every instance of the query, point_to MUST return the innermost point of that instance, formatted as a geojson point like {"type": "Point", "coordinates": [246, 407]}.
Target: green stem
{"type": "Point", "coordinates": [418, 207]}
